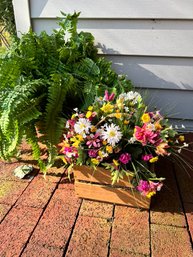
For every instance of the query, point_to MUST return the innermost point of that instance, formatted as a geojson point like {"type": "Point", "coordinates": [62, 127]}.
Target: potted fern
{"type": "Point", "coordinates": [42, 78]}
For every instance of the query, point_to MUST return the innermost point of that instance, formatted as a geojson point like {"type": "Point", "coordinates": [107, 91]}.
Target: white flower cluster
{"type": "Point", "coordinates": [132, 96]}
{"type": "Point", "coordinates": [82, 126]}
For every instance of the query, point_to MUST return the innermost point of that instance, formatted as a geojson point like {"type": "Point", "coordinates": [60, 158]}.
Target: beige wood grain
{"type": "Point", "coordinates": [112, 195]}
{"type": "Point", "coordinates": [100, 175]}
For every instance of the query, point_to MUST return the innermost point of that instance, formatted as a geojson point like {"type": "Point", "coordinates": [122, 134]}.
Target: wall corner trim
{"type": "Point", "coordinates": [22, 16]}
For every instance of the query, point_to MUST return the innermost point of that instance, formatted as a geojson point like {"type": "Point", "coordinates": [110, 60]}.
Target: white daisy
{"type": "Point", "coordinates": [112, 134]}
{"type": "Point", "coordinates": [82, 126]}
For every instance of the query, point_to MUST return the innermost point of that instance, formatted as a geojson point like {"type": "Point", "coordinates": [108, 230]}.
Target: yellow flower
{"type": "Point", "coordinates": [150, 194]}
{"type": "Point", "coordinates": [90, 108]}
{"type": "Point", "coordinates": [104, 142]}
{"type": "Point", "coordinates": [107, 108]}
{"type": "Point", "coordinates": [126, 122]}
{"type": "Point", "coordinates": [109, 149]}
{"type": "Point", "coordinates": [154, 159]}
{"type": "Point", "coordinates": [88, 114]}
{"type": "Point", "coordinates": [93, 129]}
{"type": "Point", "coordinates": [76, 142]}
{"type": "Point", "coordinates": [118, 115]}
{"type": "Point", "coordinates": [80, 137]}
{"type": "Point", "coordinates": [95, 161]}
{"type": "Point", "coordinates": [101, 154]}
{"type": "Point", "coordinates": [73, 116]}
{"type": "Point", "coordinates": [145, 118]}
{"type": "Point", "coordinates": [181, 138]}
{"type": "Point", "coordinates": [120, 103]}
{"type": "Point", "coordinates": [115, 162]}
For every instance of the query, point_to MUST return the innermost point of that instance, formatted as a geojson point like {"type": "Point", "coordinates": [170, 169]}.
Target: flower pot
{"type": "Point", "coordinates": [96, 185]}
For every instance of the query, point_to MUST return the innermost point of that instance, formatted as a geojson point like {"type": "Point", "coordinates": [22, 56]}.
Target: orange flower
{"type": "Point", "coordinates": [158, 126]}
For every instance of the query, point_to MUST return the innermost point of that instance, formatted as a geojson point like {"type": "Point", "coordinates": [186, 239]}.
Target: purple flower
{"type": "Point", "coordinates": [125, 158]}
{"type": "Point", "coordinates": [147, 157]}
{"type": "Point", "coordinates": [143, 186]}
{"type": "Point", "coordinates": [92, 153]}
{"type": "Point", "coordinates": [93, 140]}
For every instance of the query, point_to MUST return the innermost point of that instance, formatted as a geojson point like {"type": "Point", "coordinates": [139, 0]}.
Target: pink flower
{"type": "Point", "coordinates": [144, 135]}
{"type": "Point", "coordinates": [71, 123]}
{"type": "Point", "coordinates": [93, 140]}
{"type": "Point", "coordinates": [70, 152]}
{"type": "Point", "coordinates": [148, 188]}
{"type": "Point", "coordinates": [92, 153]}
{"type": "Point", "coordinates": [125, 158]}
{"type": "Point", "coordinates": [147, 157]}
{"type": "Point", "coordinates": [109, 97]}
{"type": "Point", "coordinates": [155, 186]}
{"type": "Point", "coordinates": [143, 187]}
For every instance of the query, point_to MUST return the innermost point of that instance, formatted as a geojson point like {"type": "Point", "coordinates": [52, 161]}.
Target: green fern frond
{"type": "Point", "coordinates": [33, 141]}
{"type": "Point", "coordinates": [56, 97]}
{"type": "Point", "coordinates": [86, 69]}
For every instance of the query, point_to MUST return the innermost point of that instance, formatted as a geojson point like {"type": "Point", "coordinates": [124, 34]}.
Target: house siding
{"type": "Point", "coordinates": [149, 41]}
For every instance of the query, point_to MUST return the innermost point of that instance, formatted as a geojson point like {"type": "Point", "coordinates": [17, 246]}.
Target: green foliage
{"type": "Point", "coordinates": [42, 78]}
{"type": "Point", "coordinates": [7, 16]}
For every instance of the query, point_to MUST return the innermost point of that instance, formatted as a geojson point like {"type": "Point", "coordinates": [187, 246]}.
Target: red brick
{"type": "Point", "coordinates": [4, 208]}
{"type": "Point", "coordinates": [42, 251]}
{"type": "Point", "coordinates": [168, 218]}
{"type": "Point", "coordinates": [170, 241]}
{"type": "Point", "coordinates": [96, 209]}
{"type": "Point", "coordinates": [166, 208]}
{"type": "Point", "coordinates": [189, 215]}
{"type": "Point", "coordinates": [16, 229]}
{"type": "Point", "coordinates": [90, 237]}
{"type": "Point", "coordinates": [66, 184]}
{"type": "Point", "coordinates": [185, 180]}
{"type": "Point", "coordinates": [38, 192]}
{"type": "Point", "coordinates": [10, 191]}
{"type": "Point", "coordinates": [54, 174]}
{"type": "Point", "coordinates": [57, 221]}
{"type": "Point", "coordinates": [120, 253]}
{"type": "Point", "coordinates": [130, 230]}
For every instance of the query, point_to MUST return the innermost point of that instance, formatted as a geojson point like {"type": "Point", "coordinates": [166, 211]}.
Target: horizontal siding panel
{"type": "Point", "coordinates": [156, 72]}
{"type": "Point", "coordinates": [182, 125]}
{"type": "Point", "coordinates": [176, 104]}
{"type": "Point", "coordinates": [129, 37]}
{"type": "Point", "coordinates": [135, 9]}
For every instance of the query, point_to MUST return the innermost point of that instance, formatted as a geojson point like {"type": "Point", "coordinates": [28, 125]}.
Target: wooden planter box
{"type": "Point", "coordinates": [96, 185]}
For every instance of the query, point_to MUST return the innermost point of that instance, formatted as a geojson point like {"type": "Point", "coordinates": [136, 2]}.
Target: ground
{"type": "Point", "coordinates": [43, 217]}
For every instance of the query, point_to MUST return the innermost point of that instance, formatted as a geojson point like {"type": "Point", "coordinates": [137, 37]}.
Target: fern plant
{"type": "Point", "coordinates": [42, 78]}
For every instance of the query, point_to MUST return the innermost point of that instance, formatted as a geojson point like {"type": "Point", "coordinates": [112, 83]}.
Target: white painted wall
{"type": "Point", "coordinates": [151, 41]}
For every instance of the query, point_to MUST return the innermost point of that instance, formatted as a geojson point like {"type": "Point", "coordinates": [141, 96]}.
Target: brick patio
{"type": "Point", "coordinates": [43, 217]}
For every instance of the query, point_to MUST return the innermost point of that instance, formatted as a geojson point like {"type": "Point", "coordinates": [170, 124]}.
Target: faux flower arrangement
{"type": "Point", "coordinates": [118, 132]}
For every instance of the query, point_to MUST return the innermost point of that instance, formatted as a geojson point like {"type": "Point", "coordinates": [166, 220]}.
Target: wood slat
{"type": "Point", "coordinates": [100, 175]}
{"type": "Point", "coordinates": [167, 9]}
{"type": "Point", "coordinates": [112, 195]}
{"type": "Point", "coordinates": [144, 38]}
